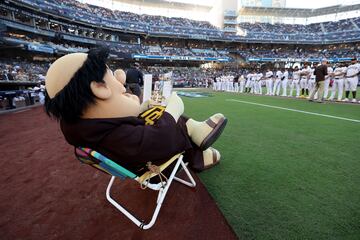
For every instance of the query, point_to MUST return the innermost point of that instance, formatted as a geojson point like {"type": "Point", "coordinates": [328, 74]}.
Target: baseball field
{"type": "Point", "coordinates": [290, 168]}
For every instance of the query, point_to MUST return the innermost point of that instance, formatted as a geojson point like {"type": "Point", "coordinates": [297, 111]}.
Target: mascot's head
{"type": "Point", "coordinates": [80, 85]}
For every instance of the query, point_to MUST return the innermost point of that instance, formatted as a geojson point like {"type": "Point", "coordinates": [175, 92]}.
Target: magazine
{"type": "Point", "coordinates": [162, 89]}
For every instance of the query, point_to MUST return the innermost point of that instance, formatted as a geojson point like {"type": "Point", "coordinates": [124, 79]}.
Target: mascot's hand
{"type": "Point", "coordinates": [145, 106]}
{"type": "Point", "coordinates": [175, 106]}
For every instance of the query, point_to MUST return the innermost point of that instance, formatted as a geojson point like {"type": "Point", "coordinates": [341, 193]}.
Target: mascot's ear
{"type": "Point", "coordinates": [100, 90]}
{"type": "Point", "coordinates": [120, 75]}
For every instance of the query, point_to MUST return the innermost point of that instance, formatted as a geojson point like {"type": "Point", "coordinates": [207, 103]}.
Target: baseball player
{"type": "Point", "coordinates": [230, 83]}
{"type": "Point", "coordinates": [253, 81]}
{"type": "Point", "coordinates": [277, 83]}
{"type": "Point", "coordinates": [255, 85]}
{"type": "Point", "coordinates": [259, 83]}
{"type": "Point", "coordinates": [223, 83]}
{"type": "Point", "coordinates": [295, 82]}
{"type": "Point", "coordinates": [351, 80]}
{"type": "Point", "coordinates": [327, 81]}
{"type": "Point", "coordinates": [304, 77]}
{"type": "Point", "coordinates": [284, 82]}
{"type": "Point", "coordinates": [214, 83]}
{"type": "Point", "coordinates": [311, 82]}
{"type": "Point", "coordinates": [269, 81]}
{"type": "Point", "coordinates": [236, 83]}
{"type": "Point", "coordinates": [338, 84]}
{"type": "Point", "coordinates": [248, 82]}
{"type": "Point", "coordinates": [242, 83]}
{"type": "Point", "coordinates": [247, 79]}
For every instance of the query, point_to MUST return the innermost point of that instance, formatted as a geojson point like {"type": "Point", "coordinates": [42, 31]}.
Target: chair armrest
{"type": "Point", "coordinates": [148, 174]}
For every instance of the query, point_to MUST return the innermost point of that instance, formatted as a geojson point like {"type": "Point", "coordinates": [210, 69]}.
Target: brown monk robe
{"type": "Point", "coordinates": [130, 143]}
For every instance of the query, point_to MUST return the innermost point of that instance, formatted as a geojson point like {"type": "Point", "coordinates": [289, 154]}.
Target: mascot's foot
{"type": "Point", "coordinates": [204, 134]}
{"type": "Point", "coordinates": [211, 157]}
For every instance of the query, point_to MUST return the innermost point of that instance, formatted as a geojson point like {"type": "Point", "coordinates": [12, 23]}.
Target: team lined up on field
{"type": "Point", "coordinates": [301, 82]}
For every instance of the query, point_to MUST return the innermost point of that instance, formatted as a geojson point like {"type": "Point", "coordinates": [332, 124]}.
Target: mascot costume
{"type": "Point", "coordinates": [95, 111]}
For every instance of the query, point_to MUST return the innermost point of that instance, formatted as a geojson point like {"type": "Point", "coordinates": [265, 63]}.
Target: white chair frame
{"type": "Point", "coordinates": [161, 187]}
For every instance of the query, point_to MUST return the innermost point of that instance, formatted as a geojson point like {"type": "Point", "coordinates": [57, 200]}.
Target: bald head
{"type": "Point", "coordinates": [61, 72]}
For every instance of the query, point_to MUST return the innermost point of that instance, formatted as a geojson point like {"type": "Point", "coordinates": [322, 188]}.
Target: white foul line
{"type": "Point", "coordinates": [294, 110]}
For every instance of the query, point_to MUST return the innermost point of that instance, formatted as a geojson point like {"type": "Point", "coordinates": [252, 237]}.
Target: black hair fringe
{"type": "Point", "coordinates": [69, 104]}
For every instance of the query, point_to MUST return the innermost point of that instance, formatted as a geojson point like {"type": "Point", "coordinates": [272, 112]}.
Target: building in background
{"type": "Point", "coordinates": [278, 3]}
{"type": "Point", "coordinates": [263, 3]}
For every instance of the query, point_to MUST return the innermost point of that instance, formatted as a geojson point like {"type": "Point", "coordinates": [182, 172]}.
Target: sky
{"type": "Point", "coordinates": [199, 2]}
{"type": "Point", "coordinates": [118, 4]}
{"type": "Point", "coordinates": [289, 3]}
{"type": "Point", "coordinates": [317, 3]}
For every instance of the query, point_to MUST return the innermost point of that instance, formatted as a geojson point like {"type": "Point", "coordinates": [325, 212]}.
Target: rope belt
{"type": "Point", "coordinates": [153, 169]}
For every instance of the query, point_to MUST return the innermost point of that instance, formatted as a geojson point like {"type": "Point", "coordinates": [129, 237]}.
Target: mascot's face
{"type": "Point", "coordinates": [125, 104]}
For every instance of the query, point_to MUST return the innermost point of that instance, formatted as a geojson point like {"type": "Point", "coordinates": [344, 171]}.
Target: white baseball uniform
{"type": "Point", "coordinates": [339, 74]}
{"type": "Point", "coordinates": [295, 84]}
{"type": "Point", "coordinates": [311, 82]}
{"type": "Point", "coordinates": [351, 77]}
{"type": "Point", "coordinates": [284, 83]}
{"type": "Point", "coordinates": [259, 83]}
{"type": "Point", "coordinates": [242, 83]}
{"type": "Point", "coordinates": [223, 83]}
{"type": "Point", "coordinates": [248, 80]}
{"type": "Point", "coordinates": [304, 78]}
{"type": "Point", "coordinates": [253, 82]}
{"type": "Point", "coordinates": [269, 82]}
{"type": "Point", "coordinates": [276, 88]}
{"type": "Point", "coordinates": [327, 82]}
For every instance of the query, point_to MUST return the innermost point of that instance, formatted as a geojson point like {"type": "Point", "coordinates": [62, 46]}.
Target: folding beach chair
{"type": "Point", "coordinates": [99, 161]}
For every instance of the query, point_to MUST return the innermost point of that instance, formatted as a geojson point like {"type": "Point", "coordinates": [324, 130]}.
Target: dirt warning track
{"type": "Point", "coordinates": [47, 194]}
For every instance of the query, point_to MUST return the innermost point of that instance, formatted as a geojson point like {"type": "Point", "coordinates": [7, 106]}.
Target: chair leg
{"type": "Point", "coordinates": [192, 182]}
{"type": "Point", "coordinates": [118, 206]}
{"type": "Point", "coordinates": [161, 196]}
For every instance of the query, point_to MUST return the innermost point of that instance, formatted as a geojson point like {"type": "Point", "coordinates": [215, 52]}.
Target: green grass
{"type": "Point", "coordinates": [285, 175]}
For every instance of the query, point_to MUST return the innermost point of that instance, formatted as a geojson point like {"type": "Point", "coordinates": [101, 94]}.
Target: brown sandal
{"type": "Point", "coordinates": [218, 128]}
{"type": "Point", "coordinates": [215, 158]}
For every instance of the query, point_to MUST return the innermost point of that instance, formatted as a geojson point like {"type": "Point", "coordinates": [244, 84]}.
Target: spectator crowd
{"type": "Point", "coordinates": [347, 29]}
{"type": "Point", "coordinates": [22, 70]}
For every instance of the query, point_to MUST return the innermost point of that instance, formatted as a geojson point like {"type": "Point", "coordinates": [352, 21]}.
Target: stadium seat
{"type": "Point", "coordinates": [99, 161]}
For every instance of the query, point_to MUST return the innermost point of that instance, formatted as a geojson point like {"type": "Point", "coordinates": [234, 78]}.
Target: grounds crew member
{"type": "Point", "coordinates": [134, 80]}
{"type": "Point", "coordinates": [320, 73]}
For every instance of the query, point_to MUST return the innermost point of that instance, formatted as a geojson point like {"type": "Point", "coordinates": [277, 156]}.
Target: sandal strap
{"type": "Point", "coordinates": [211, 123]}
{"type": "Point", "coordinates": [214, 155]}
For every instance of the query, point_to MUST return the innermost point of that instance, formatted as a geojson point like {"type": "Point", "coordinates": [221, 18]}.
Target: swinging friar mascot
{"type": "Point", "coordinates": [95, 111]}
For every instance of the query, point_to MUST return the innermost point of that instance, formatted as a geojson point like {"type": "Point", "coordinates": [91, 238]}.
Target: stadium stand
{"type": "Point", "coordinates": [318, 32]}
{"type": "Point", "coordinates": [80, 37]}
{"type": "Point", "coordinates": [22, 71]}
